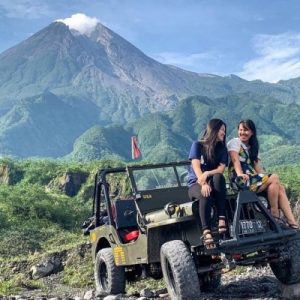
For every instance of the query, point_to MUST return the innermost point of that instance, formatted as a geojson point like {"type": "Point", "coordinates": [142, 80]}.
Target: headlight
{"type": "Point", "coordinates": [170, 208]}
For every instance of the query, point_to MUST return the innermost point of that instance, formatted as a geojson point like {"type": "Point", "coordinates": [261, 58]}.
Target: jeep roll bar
{"type": "Point", "coordinates": [102, 184]}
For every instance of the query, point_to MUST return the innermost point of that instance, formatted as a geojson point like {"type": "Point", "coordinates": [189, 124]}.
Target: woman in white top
{"type": "Point", "coordinates": [243, 152]}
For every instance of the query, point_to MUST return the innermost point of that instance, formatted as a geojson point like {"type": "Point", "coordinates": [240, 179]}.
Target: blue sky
{"type": "Point", "coordinates": [254, 39]}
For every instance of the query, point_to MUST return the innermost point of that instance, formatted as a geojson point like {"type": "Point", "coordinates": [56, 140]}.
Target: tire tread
{"type": "Point", "coordinates": [116, 275]}
{"type": "Point", "coordinates": [183, 269]}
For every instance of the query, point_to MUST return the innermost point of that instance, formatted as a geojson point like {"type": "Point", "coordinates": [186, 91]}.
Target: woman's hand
{"type": "Point", "coordinates": [203, 178]}
{"type": "Point", "coordinates": [244, 176]}
{"type": "Point", "coordinates": [205, 189]}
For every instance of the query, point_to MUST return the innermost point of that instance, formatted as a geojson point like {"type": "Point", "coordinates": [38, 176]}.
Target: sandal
{"type": "Point", "coordinates": [208, 240]}
{"type": "Point", "coordinates": [222, 228]}
{"type": "Point", "coordinates": [293, 226]}
{"type": "Point", "coordinates": [285, 224]}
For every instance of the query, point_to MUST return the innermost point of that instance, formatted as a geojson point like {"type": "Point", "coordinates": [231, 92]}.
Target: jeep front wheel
{"type": "Point", "coordinates": [108, 277]}
{"type": "Point", "coordinates": [288, 271]}
{"type": "Point", "coordinates": [179, 271]}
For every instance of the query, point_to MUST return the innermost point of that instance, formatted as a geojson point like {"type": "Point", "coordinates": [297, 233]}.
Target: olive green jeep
{"type": "Point", "coordinates": [155, 230]}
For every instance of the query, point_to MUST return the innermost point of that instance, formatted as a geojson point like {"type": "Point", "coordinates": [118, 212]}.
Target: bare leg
{"type": "Point", "coordinates": [284, 204]}
{"type": "Point", "coordinates": [278, 199]}
{"type": "Point", "coordinates": [272, 186]}
{"type": "Point", "coordinates": [273, 192]}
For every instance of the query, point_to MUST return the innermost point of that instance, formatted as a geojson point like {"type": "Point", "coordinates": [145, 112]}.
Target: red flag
{"type": "Point", "coordinates": [135, 151]}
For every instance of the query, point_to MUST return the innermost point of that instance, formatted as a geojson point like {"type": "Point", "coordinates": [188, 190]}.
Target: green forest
{"type": "Point", "coordinates": [167, 136]}
{"type": "Point", "coordinates": [163, 136]}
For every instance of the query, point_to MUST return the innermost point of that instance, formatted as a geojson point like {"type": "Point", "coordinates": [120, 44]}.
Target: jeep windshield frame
{"type": "Point", "coordinates": [156, 185]}
{"type": "Point", "coordinates": [158, 176]}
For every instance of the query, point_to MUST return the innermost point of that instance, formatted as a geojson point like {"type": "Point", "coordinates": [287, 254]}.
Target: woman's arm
{"type": "Point", "coordinates": [197, 169]}
{"type": "Point", "coordinates": [234, 156]}
{"type": "Point", "coordinates": [202, 176]}
{"type": "Point", "coordinates": [205, 187]}
{"type": "Point", "coordinates": [219, 169]}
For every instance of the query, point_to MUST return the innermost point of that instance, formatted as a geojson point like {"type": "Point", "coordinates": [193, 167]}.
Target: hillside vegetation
{"type": "Point", "coordinates": [38, 218]}
{"type": "Point", "coordinates": [36, 214]}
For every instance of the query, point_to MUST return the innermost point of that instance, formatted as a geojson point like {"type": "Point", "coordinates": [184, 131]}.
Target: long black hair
{"type": "Point", "coordinates": [209, 140]}
{"type": "Point", "coordinates": [253, 142]}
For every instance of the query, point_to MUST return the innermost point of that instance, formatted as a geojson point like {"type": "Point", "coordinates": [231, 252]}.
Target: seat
{"type": "Point", "coordinates": [125, 220]}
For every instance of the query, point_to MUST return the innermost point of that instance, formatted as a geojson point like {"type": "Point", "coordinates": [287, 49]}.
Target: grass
{"type": "Point", "coordinates": [78, 271]}
{"type": "Point", "coordinates": [137, 286]}
{"type": "Point", "coordinates": [17, 283]}
{"type": "Point", "coordinates": [8, 287]}
{"type": "Point", "coordinates": [238, 270]}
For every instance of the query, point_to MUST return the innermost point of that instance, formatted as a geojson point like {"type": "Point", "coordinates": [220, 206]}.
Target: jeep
{"type": "Point", "coordinates": [155, 230]}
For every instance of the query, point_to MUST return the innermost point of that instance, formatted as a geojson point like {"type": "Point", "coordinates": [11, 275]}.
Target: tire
{"type": "Point", "coordinates": [210, 282]}
{"type": "Point", "coordinates": [108, 277]}
{"type": "Point", "coordinates": [179, 271]}
{"type": "Point", "coordinates": [288, 271]}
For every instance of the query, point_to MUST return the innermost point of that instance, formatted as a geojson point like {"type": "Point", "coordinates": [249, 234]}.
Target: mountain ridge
{"type": "Point", "coordinates": [167, 136]}
{"type": "Point", "coordinates": [101, 79]}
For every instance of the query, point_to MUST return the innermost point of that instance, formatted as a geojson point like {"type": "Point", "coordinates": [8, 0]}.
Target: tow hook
{"type": "Point", "coordinates": [228, 263]}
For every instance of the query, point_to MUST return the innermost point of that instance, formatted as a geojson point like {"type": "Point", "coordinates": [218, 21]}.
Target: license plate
{"type": "Point", "coordinates": [251, 226]}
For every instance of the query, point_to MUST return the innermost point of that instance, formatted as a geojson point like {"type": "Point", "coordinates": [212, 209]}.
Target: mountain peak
{"type": "Point", "coordinates": [80, 58]}
{"type": "Point", "coordinates": [81, 23]}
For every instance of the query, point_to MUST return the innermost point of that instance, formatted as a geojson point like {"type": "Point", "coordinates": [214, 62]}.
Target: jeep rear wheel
{"type": "Point", "coordinates": [179, 271]}
{"type": "Point", "coordinates": [108, 277]}
{"type": "Point", "coordinates": [288, 271]}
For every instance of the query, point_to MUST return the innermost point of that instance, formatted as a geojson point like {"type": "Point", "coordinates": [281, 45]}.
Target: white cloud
{"type": "Point", "coordinates": [194, 62]}
{"type": "Point", "coordinates": [81, 22]}
{"type": "Point", "coordinates": [278, 57]}
{"type": "Point", "coordinates": [26, 9]}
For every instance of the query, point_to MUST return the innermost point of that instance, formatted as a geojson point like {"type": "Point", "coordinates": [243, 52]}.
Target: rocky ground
{"type": "Point", "coordinates": [241, 283]}
{"type": "Point", "coordinates": [253, 283]}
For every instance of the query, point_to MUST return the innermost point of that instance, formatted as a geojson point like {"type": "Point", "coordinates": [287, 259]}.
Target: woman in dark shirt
{"type": "Point", "coordinates": [206, 182]}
